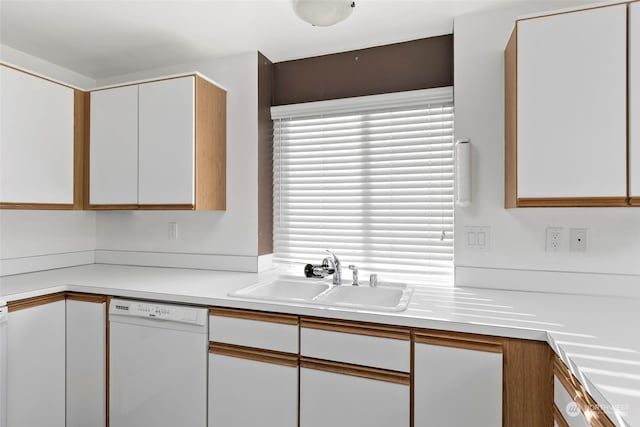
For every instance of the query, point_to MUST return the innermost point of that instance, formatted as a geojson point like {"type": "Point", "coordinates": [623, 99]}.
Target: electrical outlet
{"type": "Point", "coordinates": [554, 239]}
{"type": "Point", "coordinates": [578, 240]}
{"type": "Point", "coordinates": [173, 231]}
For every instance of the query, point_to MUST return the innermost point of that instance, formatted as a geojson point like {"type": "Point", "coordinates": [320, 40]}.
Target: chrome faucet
{"type": "Point", "coordinates": [337, 268]}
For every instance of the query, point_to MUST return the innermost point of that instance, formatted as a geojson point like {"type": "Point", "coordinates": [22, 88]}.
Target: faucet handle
{"type": "Point", "coordinates": [373, 280]}
{"type": "Point", "coordinates": [333, 255]}
{"type": "Point", "coordinates": [355, 275]}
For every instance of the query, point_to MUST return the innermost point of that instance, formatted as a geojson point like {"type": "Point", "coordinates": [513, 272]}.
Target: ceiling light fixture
{"type": "Point", "coordinates": [323, 13]}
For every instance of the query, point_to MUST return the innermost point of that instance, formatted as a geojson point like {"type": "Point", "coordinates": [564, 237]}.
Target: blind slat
{"type": "Point", "coordinates": [375, 186]}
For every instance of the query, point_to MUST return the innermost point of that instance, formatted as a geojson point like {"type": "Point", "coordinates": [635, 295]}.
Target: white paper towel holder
{"type": "Point", "coordinates": [463, 172]}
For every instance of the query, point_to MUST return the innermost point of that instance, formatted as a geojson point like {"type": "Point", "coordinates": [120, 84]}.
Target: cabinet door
{"type": "Point", "coordinates": [344, 400]}
{"type": "Point", "coordinates": [86, 363]}
{"type": "Point", "coordinates": [113, 150]}
{"type": "Point", "coordinates": [36, 139]}
{"type": "Point", "coordinates": [244, 392]}
{"type": "Point", "coordinates": [634, 102]}
{"type": "Point", "coordinates": [457, 387]}
{"type": "Point", "coordinates": [167, 142]}
{"type": "Point", "coordinates": [571, 105]}
{"type": "Point", "coordinates": [36, 377]}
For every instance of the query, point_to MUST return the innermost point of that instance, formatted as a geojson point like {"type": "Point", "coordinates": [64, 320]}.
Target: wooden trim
{"type": "Point", "coordinates": [35, 301]}
{"type": "Point", "coordinates": [591, 410]}
{"type": "Point", "coordinates": [285, 319]}
{"type": "Point", "coordinates": [356, 371]}
{"type": "Point", "coordinates": [357, 328]}
{"type": "Point", "coordinates": [78, 296]}
{"type": "Point", "coordinates": [634, 201]}
{"type": "Point", "coordinates": [210, 146]}
{"type": "Point", "coordinates": [511, 121]}
{"type": "Point", "coordinates": [3, 64]}
{"type": "Point", "coordinates": [81, 125]}
{"type": "Point", "coordinates": [131, 207]}
{"type": "Point", "coordinates": [459, 340]}
{"type": "Point", "coordinates": [259, 355]}
{"type": "Point", "coordinates": [628, 104]}
{"type": "Point", "coordinates": [181, 207]}
{"type": "Point", "coordinates": [527, 391]}
{"type": "Point", "coordinates": [111, 207]}
{"type": "Point", "coordinates": [107, 360]}
{"type": "Point", "coordinates": [412, 381]}
{"type": "Point", "coordinates": [27, 205]}
{"type": "Point", "coordinates": [558, 417]}
{"type": "Point", "coordinates": [582, 9]}
{"type": "Point", "coordinates": [569, 202]}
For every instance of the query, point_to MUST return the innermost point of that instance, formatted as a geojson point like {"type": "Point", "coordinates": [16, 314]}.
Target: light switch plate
{"type": "Point", "coordinates": [173, 231]}
{"type": "Point", "coordinates": [478, 238]}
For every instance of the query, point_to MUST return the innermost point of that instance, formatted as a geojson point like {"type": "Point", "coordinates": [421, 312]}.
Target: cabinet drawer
{"type": "Point", "coordinates": [268, 331]}
{"type": "Point", "coordinates": [358, 344]}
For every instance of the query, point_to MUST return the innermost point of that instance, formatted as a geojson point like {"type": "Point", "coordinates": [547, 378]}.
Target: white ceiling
{"type": "Point", "coordinates": [102, 39]}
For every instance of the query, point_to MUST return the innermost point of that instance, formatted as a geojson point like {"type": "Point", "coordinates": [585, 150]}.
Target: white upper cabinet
{"type": "Point", "coordinates": [36, 140]}
{"type": "Point", "coordinates": [634, 103]}
{"type": "Point", "coordinates": [159, 145]}
{"type": "Point", "coordinates": [166, 144]}
{"type": "Point", "coordinates": [566, 106]}
{"type": "Point", "coordinates": [572, 104]}
{"type": "Point", "coordinates": [113, 157]}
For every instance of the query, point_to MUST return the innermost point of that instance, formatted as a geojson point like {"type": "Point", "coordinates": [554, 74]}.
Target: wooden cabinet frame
{"type": "Point", "coordinates": [592, 411]}
{"type": "Point", "coordinates": [210, 146]}
{"type": "Point", "coordinates": [80, 159]}
{"type": "Point", "coordinates": [511, 198]}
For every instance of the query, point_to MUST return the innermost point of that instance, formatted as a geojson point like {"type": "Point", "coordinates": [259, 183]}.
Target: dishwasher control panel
{"type": "Point", "coordinates": [152, 310]}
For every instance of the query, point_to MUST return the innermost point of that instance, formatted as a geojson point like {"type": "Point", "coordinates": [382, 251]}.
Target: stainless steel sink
{"type": "Point", "coordinates": [390, 297]}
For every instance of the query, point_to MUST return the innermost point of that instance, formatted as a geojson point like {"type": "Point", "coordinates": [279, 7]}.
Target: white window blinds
{"type": "Point", "coordinates": [369, 178]}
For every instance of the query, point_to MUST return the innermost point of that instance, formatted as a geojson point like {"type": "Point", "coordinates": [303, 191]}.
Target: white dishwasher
{"type": "Point", "coordinates": [157, 364]}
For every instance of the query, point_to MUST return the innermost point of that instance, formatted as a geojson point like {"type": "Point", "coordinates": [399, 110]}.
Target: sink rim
{"type": "Point", "coordinates": [326, 289]}
{"type": "Point", "coordinates": [247, 291]}
{"type": "Point", "coordinates": [402, 304]}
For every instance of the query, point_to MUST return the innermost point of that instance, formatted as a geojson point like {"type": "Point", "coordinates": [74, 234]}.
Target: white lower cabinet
{"type": "Point", "coordinates": [348, 399]}
{"type": "Point", "coordinates": [244, 392]}
{"type": "Point", "coordinates": [456, 386]}
{"type": "Point", "coordinates": [86, 362]}
{"type": "Point", "coordinates": [253, 369]}
{"type": "Point", "coordinates": [36, 362]}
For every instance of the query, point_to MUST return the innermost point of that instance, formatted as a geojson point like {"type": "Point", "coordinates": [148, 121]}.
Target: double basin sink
{"type": "Point", "coordinates": [384, 297]}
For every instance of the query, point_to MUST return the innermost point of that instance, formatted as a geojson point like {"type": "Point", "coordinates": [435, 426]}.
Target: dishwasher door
{"type": "Point", "coordinates": [3, 364]}
{"type": "Point", "coordinates": [157, 365]}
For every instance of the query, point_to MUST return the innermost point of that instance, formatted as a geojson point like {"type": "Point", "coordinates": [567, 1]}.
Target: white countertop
{"type": "Point", "coordinates": [597, 337]}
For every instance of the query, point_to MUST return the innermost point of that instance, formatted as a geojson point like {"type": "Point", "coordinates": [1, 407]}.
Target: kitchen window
{"type": "Point", "coordinates": [370, 178]}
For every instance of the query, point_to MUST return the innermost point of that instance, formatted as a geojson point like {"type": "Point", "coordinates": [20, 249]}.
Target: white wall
{"type": "Point", "coordinates": [518, 235]}
{"type": "Point", "coordinates": [232, 232]}
{"type": "Point", "coordinates": [44, 239]}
